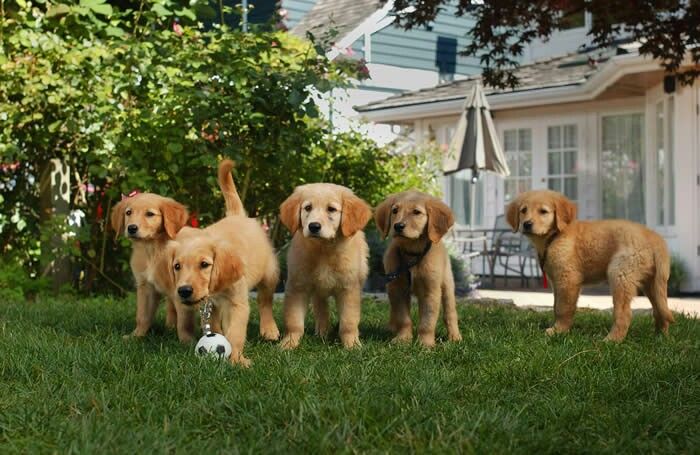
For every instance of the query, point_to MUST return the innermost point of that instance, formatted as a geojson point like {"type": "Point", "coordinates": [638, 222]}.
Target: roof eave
{"type": "Point", "coordinates": [586, 90]}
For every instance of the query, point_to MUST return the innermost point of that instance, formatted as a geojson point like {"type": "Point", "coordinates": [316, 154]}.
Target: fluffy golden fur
{"type": "Point", "coordinates": [150, 221]}
{"type": "Point", "coordinates": [224, 262]}
{"type": "Point", "coordinates": [575, 253]}
{"type": "Point", "coordinates": [327, 258]}
{"type": "Point", "coordinates": [414, 220]}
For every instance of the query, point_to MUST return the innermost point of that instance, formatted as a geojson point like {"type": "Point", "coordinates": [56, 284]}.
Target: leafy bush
{"type": "Point", "coordinates": [679, 273]}
{"type": "Point", "coordinates": [142, 96]}
{"type": "Point", "coordinates": [16, 284]}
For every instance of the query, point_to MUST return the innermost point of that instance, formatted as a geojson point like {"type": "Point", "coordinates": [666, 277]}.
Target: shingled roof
{"type": "Point", "coordinates": [342, 16]}
{"type": "Point", "coordinates": [570, 69]}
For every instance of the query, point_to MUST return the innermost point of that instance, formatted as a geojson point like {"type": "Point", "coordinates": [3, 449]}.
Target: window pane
{"type": "Point", "coordinates": [510, 189]}
{"type": "Point", "coordinates": [554, 184]}
{"type": "Point", "coordinates": [525, 140]}
{"type": "Point", "coordinates": [509, 140]}
{"type": "Point", "coordinates": [570, 136]}
{"type": "Point", "coordinates": [523, 185]}
{"type": "Point", "coordinates": [622, 176]}
{"type": "Point", "coordinates": [570, 188]}
{"type": "Point", "coordinates": [554, 137]}
{"type": "Point", "coordinates": [525, 165]}
{"type": "Point", "coordinates": [569, 163]}
{"type": "Point", "coordinates": [660, 164]}
{"type": "Point", "coordinates": [554, 163]}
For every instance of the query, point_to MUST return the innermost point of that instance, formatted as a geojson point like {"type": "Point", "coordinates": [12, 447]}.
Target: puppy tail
{"type": "Point", "coordinates": [234, 206]}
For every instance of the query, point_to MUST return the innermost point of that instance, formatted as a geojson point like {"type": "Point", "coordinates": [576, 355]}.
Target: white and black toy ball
{"type": "Point", "coordinates": [213, 344]}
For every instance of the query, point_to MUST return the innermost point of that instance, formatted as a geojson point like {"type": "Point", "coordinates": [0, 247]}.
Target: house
{"type": "Point", "coordinates": [606, 127]}
{"type": "Point", "coordinates": [397, 60]}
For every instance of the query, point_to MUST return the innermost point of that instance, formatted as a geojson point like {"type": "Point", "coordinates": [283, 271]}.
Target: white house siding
{"type": "Point", "coordinates": [683, 237]}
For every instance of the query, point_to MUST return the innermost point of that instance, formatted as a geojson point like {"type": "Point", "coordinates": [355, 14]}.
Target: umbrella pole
{"type": "Point", "coordinates": [472, 203]}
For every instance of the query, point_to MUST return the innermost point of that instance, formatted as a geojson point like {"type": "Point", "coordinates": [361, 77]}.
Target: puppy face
{"type": "Point", "coordinates": [202, 267]}
{"type": "Point", "coordinates": [412, 215]}
{"type": "Point", "coordinates": [540, 213]}
{"type": "Point", "coordinates": [147, 216]}
{"type": "Point", "coordinates": [324, 211]}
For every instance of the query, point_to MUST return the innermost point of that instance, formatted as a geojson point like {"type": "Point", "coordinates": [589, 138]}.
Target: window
{"type": "Point", "coordinates": [517, 144]}
{"type": "Point", "coordinates": [665, 194]}
{"type": "Point", "coordinates": [562, 155]}
{"type": "Point", "coordinates": [621, 167]}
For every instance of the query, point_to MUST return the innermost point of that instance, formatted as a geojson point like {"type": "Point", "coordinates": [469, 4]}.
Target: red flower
{"type": "Point", "coordinates": [177, 28]}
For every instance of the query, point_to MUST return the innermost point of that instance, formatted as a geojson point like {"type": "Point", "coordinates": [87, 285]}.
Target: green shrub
{"type": "Point", "coordinates": [16, 284]}
{"type": "Point", "coordinates": [679, 273]}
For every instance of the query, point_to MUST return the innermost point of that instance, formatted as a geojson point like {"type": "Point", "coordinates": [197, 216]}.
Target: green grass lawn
{"type": "Point", "coordinates": [70, 383]}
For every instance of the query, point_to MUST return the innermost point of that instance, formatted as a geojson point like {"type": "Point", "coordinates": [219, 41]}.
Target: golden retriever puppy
{"type": "Point", "coordinates": [417, 262]}
{"type": "Point", "coordinates": [327, 258]}
{"type": "Point", "coordinates": [575, 253]}
{"type": "Point", "coordinates": [150, 221]}
{"type": "Point", "coordinates": [223, 263]}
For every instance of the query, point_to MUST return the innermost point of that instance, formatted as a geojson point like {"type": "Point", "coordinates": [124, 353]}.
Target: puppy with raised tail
{"type": "Point", "coordinates": [327, 258]}
{"type": "Point", "coordinates": [223, 262]}
{"type": "Point", "coordinates": [574, 253]}
{"type": "Point", "coordinates": [417, 262]}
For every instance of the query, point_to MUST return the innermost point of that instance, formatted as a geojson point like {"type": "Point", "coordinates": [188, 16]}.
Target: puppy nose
{"type": "Point", "coordinates": [527, 226]}
{"type": "Point", "coordinates": [185, 292]}
{"type": "Point", "coordinates": [398, 227]}
{"type": "Point", "coordinates": [314, 228]}
{"type": "Point", "coordinates": [133, 229]}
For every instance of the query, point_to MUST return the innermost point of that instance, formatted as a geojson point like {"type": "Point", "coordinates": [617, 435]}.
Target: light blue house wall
{"type": "Point", "coordinates": [296, 9]}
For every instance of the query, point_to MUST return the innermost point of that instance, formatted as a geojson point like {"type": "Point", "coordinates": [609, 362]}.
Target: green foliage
{"type": "Point", "coordinates": [69, 383]}
{"type": "Point", "coordinates": [679, 273]}
{"type": "Point", "coordinates": [16, 284]}
{"type": "Point", "coordinates": [131, 99]}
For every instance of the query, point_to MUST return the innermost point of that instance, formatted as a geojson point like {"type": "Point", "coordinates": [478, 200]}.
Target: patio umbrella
{"type": "Point", "coordinates": [475, 144]}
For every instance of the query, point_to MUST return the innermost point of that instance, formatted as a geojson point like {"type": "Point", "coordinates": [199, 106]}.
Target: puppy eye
{"type": "Point", "coordinates": [308, 208]}
{"type": "Point", "coordinates": [523, 210]}
{"type": "Point", "coordinates": [416, 212]}
{"type": "Point", "coordinates": [177, 266]}
{"type": "Point", "coordinates": [395, 210]}
{"type": "Point", "coordinates": [150, 214]}
{"type": "Point", "coordinates": [543, 212]}
{"type": "Point", "coordinates": [128, 212]}
{"type": "Point", "coordinates": [332, 209]}
{"type": "Point", "coordinates": [204, 264]}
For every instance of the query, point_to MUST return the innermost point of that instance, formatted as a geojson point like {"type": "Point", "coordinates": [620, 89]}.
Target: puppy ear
{"type": "Point", "coordinates": [356, 214]}
{"type": "Point", "coordinates": [117, 218]}
{"type": "Point", "coordinates": [227, 268]}
{"type": "Point", "coordinates": [382, 215]}
{"type": "Point", "coordinates": [174, 217]}
{"type": "Point", "coordinates": [289, 212]}
{"type": "Point", "coordinates": [513, 214]}
{"type": "Point", "coordinates": [564, 212]}
{"type": "Point", "coordinates": [164, 272]}
{"type": "Point", "coordinates": [440, 219]}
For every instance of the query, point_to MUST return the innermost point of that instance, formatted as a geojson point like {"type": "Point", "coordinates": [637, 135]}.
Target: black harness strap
{"type": "Point", "coordinates": [405, 267]}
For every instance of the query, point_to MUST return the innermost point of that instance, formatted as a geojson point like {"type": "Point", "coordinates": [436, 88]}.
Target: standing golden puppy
{"type": "Point", "coordinates": [417, 261]}
{"type": "Point", "coordinates": [327, 257]}
{"type": "Point", "coordinates": [575, 253]}
{"type": "Point", "coordinates": [224, 262]}
{"type": "Point", "coordinates": [150, 221]}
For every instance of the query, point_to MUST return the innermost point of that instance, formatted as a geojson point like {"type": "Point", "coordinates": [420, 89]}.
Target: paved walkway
{"type": "Point", "coordinates": [690, 306]}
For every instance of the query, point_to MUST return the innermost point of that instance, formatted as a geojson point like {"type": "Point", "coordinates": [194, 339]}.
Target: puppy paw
{"type": "Point", "coordinates": [290, 341]}
{"type": "Point", "coordinates": [428, 341]}
{"type": "Point", "coordinates": [402, 338]}
{"type": "Point", "coordinates": [351, 342]}
{"type": "Point", "coordinates": [240, 360]}
{"type": "Point", "coordinates": [185, 338]}
{"type": "Point", "coordinates": [613, 338]}
{"type": "Point", "coordinates": [133, 336]}
{"type": "Point", "coordinates": [271, 333]}
{"type": "Point", "coordinates": [454, 336]}
{"type": "Point", "coordinates": [321, 330]}
{"type": "Point", "coordinates": [550, 331]}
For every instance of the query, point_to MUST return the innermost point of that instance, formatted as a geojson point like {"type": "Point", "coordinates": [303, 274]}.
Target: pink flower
{"type": "Point", "coordinates": [177, 28]}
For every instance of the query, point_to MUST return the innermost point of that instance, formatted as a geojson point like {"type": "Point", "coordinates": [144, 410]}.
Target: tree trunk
{"type": "Point", "coordinates": [54, 199]}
